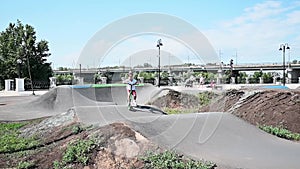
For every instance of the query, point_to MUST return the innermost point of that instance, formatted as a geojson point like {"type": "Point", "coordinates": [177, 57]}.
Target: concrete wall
{"type": "Point", "coordinates": [294, 74]}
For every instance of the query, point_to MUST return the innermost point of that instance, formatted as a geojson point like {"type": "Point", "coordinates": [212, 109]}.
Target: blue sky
{"type": "Point", "coordinates": [254, 29]}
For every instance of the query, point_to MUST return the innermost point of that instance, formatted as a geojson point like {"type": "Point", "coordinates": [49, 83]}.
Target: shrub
{"type": "Point", "coordinates": [76, 152]}
{"type": "Point", "coordinates": [170, 159]}
{"type": "Point", "coordinates": [178, 111]}
{"type": "Point", "coordinates": [205, 98]}
{"type": "Point", "coordinates": [280, 132]}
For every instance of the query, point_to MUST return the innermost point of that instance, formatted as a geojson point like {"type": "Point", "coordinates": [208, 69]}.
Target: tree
{"type": "Point", "coordinates": [243, 76]}
{"type": "Point", "coordinates": [62, 68]}
{"type": "Point", "coordinates": [227, 76]}
{"type": "Point", "coordinates": [146, 75]}
{"type": "Point", "coordinates": [256, 76]}
{"type": "Point", "coordinates": [147, 65]}
{"type": "Point", "coordinates": [268, 77]}
{"type": "Point", "coordinates": [164, 75]}
{"type": "Point", "coordinates": [18, 41]}
{"type": "Point", "coordinates": [294, 61]}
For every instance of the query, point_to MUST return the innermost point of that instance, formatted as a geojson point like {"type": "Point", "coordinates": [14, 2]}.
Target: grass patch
{"type": "Point", "coordinates": [280, 132]}
{"type": "Point", "coordinates": [170, 159]}
{"type": "Point", "coordinates": [7, 127]}
{"type": "Point", "coordinates": [178, 110]}
{"type": "Point", "coordinates": [76, 152]}
{"type": "Point", "coordinates": [10, 141]}
{"type": "Point", "coordinates": [25, 165]}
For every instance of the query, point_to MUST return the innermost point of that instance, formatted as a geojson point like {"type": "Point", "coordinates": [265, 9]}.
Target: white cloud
{"type": "Point", "coordinates": [257, 33]}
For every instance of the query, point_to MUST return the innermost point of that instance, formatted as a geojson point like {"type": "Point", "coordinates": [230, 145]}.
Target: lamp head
{"type": "Point", "coordinates": [287, 47]}
{"type": "Point", "coordinates": [19, 61]}
{"type": "Point", "coordinates": [159, 43]}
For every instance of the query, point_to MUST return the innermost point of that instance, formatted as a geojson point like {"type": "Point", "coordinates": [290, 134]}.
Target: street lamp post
{"type": "Point", "coordinates": [159, 44]}
{"type": "Point", "coordinates": [282, 48]}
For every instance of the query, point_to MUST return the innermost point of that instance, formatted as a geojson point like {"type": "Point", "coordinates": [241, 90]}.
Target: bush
{"type": "Point", "coordinates": [267, 77]}
{"type": "Point", "coordinates": [178, 111]}
{"type": "Point", "coordinates": [280, 132]}
{"type": "Point", "coordinates": [64, 79]}
{"type": "Point", "coordinates": [76, 152]}
{"type": "Point", "coordinates": [170, 159]}
{"type": "Point", "coordinates": [146, 75]}
{"type": "Point", "coordinates": [242, 77]}
{"type": "Point", "coordinates": [205, 98]}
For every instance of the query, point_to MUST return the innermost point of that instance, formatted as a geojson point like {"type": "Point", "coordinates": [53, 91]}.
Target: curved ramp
{"type": "Point", "coordinates": [219, 137]}
{"type": "Point", "coordinates": [222, 138]}
{"type": "Point", "coordinates": [115, 94]}
{"type": "Point", "coordinates": [61, 99]}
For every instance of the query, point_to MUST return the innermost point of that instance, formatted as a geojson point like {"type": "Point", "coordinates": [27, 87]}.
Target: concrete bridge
{"type": "Point", "coordinates": [293, 70]}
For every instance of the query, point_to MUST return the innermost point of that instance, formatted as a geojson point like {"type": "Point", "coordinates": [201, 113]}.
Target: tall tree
{"type": "Point", "coordinates": [19, 41]}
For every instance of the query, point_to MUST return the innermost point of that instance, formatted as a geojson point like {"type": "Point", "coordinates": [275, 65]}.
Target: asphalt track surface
{"type": "Point", "coordinates": [219, 137]}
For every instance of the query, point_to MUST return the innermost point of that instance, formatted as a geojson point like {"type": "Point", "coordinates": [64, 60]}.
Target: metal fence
{"type": "Point", "coordinates": [36, 85]}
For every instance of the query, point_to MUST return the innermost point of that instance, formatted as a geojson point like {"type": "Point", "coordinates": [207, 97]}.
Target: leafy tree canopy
{"type": "Point", "coordinates": [19, 41]}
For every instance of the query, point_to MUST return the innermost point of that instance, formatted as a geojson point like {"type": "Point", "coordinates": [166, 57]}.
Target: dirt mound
{"type": "Point", "coordinates": [114, 146]}
{"type": "Point", "coordinates": [175, 99]}
{"type": "Point", "coordinates": [262, 107]}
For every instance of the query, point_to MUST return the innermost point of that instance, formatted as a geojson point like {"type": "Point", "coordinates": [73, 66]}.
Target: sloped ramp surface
{"type": "Point", "coordinates": [116, 94]}
{"type": "Point", "coordinates": [61, 99]}
{"type": "Point", "coordinates": [104, 115]}
{"type": "Point", "coordinates": [219, 137]}
{"type": "Point", "coordinates": [222, 138]}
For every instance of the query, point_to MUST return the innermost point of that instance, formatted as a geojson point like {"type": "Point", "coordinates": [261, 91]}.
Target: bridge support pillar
{"type": "Point", "coordinates": [219, 77]}
{"type": "Point", "coordinates": [80, 80]}
{"type": "Point", "coordinates": [288, 80]}
{"type": "Point", "coordinates": [103, 80]}
{"type": "Point", "coordinates": [247, 80]}
{"type": "Point", "coordinates": [274, 80]}
{"type": "Point", "coordinates": [156, 81]}
{"type": "Point", "coordinates": [233, 80]}
{"type": "Point", "coordinates": [298, 79]}
{"type": "Point", "coordinates": [219, 80]}
{"type": "Point", "coordinates": [141, 79]}
{"type": "Point", "coordinates": [289, 77]}
{"type": "Point", "coordinates": [52, 82]}
{"type": "Point", "coordinates": [261, 80]}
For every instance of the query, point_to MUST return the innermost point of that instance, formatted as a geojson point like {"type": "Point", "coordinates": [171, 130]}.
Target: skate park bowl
{"type": "Point", "coordinates": [216, 136]}
{"type": "Point", "coordinates": [63, 98]}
